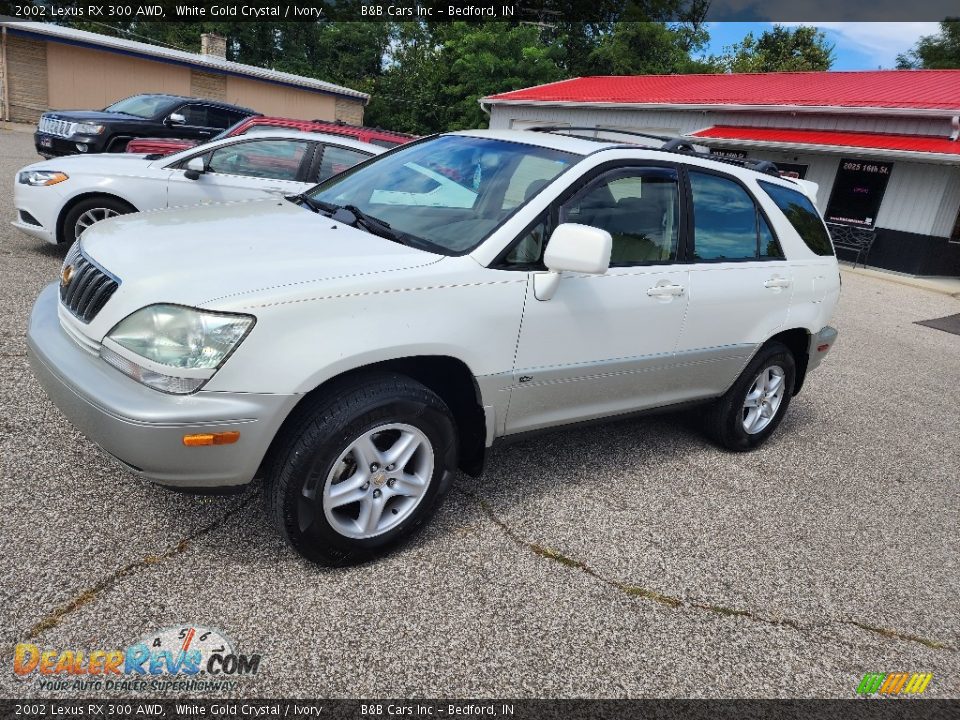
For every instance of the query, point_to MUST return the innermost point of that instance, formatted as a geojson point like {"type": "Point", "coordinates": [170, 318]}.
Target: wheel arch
{"type": "Point", "coordinates": [798, 341]}
{"type": "Point", "coordinates": [450, 378]}
{"type": "Point", "coordinates": [79, 198]}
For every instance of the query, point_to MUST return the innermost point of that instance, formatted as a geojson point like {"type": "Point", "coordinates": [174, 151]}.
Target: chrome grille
{"type": "Point", "coordinates": [88, 287]}
{"type": "Point", "coordinates": [52, 126]}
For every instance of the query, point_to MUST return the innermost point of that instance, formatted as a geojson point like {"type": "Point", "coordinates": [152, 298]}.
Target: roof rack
{"type": "Point", "coordinates": [677, 145]}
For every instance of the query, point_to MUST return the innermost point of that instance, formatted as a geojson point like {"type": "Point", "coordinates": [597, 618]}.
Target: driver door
{"type": "Point", "coordinates": [604, 344]}
{"type": "Point", "coordinates": [245, 170]}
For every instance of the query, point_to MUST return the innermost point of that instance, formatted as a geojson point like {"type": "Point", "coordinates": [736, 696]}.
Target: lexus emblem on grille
{"type": "Point", "coordinates": [66, 274]}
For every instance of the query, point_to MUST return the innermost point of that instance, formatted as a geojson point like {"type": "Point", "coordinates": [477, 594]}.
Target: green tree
{"type": "Point", "coordinates": [934, 52]}
{"type": "Point", "coordinates": [647, 48]}
{"type": "Point", "coordinates": [780, 49]}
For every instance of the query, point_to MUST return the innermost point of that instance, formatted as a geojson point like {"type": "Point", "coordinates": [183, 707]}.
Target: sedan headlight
{"type": "Point", "coordinates": [38, 178]}
{"type": "Point", "coordinates": [174, 348]}
{"type": "Point", "coordinates": [87, 129]}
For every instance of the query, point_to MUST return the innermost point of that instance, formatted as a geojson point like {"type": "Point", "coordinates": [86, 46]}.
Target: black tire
{"type": "Point", "coordinates": [726, 416]}
{"type": "Point", "coordinates": [319, 434]}
{"type": "Point", "coordinates": [100, 202]}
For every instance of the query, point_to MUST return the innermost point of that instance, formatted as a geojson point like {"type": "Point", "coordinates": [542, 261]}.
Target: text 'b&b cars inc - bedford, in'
{"type": "Point", "coordinates": [357, 344]}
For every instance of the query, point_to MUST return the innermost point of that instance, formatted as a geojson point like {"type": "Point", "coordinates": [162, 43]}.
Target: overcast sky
{"type": "Point", "coordinates": [859, 46]}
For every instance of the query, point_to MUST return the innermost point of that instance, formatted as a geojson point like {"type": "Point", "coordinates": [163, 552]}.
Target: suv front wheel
{"type": "Point", "coordinates": [750, 411]}
{"type": "Point", "coordinates": [362, 469]}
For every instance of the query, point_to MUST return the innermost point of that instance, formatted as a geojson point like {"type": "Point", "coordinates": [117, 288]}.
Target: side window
{"type": "Point", "coordinates": [724, 219]}
{"type": "Point", "coordinates": [337, 159]}
{"type": "Point", "coordinates": [639, 207]}
{"type": "Point", "coordinates": [196, 115]}
{"type": "Point", "coordinates": [219, 118]}
{"type": "Point", "coordinates": [273, 159]}
{"type": "Point", "coordinates": [528, 252]}
{"type": "Point", "coordinates": [769, 245]}
{"type": "Point", "coordinates": [804, 217]}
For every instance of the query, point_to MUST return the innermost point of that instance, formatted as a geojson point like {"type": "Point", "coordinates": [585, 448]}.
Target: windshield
{"type": "Point", "coordinates": [450, 192]}
{"type": "Point", "coordinates": [145, 106]}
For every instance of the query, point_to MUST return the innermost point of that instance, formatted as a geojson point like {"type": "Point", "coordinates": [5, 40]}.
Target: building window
{"type": "Point", "coordinates": [857, 192]}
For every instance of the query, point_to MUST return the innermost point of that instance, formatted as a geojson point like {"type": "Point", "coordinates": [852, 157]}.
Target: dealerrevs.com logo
{"type": "Point", "coordinates": [176, 658]}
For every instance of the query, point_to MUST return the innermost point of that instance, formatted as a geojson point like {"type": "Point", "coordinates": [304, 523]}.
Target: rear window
{"type": "Point", "coordinates": [802, 215]}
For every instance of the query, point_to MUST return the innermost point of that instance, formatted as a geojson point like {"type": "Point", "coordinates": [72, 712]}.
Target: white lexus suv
{"type": "Point", "coordinates": [355, 345]}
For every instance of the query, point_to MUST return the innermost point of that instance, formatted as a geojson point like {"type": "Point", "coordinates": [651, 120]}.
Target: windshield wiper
{"type": "Point", "coordinates": [375, 225]}
{"type": "Point", "coordinates": [316, 205]}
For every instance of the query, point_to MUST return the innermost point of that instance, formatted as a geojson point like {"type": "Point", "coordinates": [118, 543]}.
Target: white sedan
{"type": "Point", "coordinates": [57, 199]}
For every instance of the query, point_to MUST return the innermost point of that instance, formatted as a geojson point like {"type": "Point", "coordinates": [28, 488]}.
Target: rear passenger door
{"type": "Point", "coordinates": [603, 344]}
{"type": "Point", "coordinates": [740, 283]}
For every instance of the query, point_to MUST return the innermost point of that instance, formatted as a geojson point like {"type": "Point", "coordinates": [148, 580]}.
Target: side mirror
{"type": "Point", "coordinates": [194, 168]}
{"type": "Point", "coordinates": [573, 248]}
{"type": "Point", "coordinates": [176, 119]}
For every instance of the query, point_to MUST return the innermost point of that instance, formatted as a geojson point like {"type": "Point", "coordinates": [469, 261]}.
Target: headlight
{"type": "Point", "coordinates": [176, 349]}
{"type": "Point", "coordinates": [37, 178]}
{"type": "Point", "coordinates": [86, 129]}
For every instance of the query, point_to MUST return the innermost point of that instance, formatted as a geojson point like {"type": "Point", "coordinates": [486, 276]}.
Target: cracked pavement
{"type": "Point", "coordinates": [632, 559]}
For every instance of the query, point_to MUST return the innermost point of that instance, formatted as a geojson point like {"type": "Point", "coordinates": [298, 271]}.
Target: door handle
{"type": "Point", "coordinates": [777, 282]}
{"type": "Point", "coordinates": [665, 290]}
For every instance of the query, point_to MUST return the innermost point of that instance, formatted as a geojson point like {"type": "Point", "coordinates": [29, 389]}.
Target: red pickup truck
{"type": "Point", "coordinates": [375, 136]}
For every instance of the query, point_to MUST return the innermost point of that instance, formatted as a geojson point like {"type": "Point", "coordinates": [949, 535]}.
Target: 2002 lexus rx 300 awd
{"type": "Point", "coordinates": [357, 344]}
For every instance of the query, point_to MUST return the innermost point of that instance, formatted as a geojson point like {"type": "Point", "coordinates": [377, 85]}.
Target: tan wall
{"type": "Point", "coordinates": [279, 100]}
{"type": "Point", "coordinates": [49, 75]}
{"type": "Point", "coordinates": [349, 111]}
{"type": "Point", "coordinates": [87, 79]}
{"type": "Point", "coordinates": [208, 85]}
{"type": "Point", "coordinates": [27, 78]}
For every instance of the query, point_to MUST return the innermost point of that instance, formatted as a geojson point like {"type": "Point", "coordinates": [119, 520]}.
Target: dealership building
{"type": "Point", "coordinates": [51, 67]}
{"type": "Point", "coordinates": [882, 146]}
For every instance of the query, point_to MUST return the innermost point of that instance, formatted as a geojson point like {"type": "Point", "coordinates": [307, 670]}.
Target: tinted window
{"type": "Point", "coordinates": [337, 159]}
{"type": "Point", "coordinates": [801, 213]}
{"type": "Point", "coordinates": [384, 143]}
{"type": "Point", "coordinates": [195, 115]}
{"type": "Point", "coordinates": [638, 207]}
{"type": "Point", "coordinates": [724, 219]}
{"type": "Point", "coordinates": [273, 159]}
{"type": "Point", "coordinates": [769, 246]}
{"type": "Point", "coordinates": [219, 118]}
{"type": "Point", "coordinates": [447, 192]}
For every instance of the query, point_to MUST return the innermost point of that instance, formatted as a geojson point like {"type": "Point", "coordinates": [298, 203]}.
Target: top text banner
{"type": "Point", "coordinates": [543, 12]}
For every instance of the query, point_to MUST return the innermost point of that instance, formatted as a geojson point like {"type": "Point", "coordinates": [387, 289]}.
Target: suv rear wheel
{"type": "Point", "coordinates": [750, 411]}
{"type": "Point", "coordinates": [362, 469]}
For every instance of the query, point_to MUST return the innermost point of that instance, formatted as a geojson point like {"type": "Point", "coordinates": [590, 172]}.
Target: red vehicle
{"type": "Point", "coordinates": [375, 136]}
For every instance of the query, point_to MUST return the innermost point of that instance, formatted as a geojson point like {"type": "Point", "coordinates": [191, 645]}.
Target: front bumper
{"type": "Point", "coordinates": [144, 428]}
{"type": "Point", "coordinates": [50, 146]}
{"type": "Point", "coordinates": [820, 344]}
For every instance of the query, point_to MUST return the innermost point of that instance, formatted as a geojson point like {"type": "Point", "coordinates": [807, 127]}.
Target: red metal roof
{"type": "Point", "coordinates": [876, 141]}
{"type": "Point", "coordinates": [906, 89]}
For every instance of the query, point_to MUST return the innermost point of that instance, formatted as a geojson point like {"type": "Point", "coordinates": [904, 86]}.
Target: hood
{"type": "Point", "coordinates": [95, 163]}
{"type": "Point", "coordinates": [201, 255]}
{"type": "Point", "coordinates": [95, 116]}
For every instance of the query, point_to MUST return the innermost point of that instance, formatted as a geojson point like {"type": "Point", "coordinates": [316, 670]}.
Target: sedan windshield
{"type": "Point", "coordinates": [144, 106]}
{"type": "Point", "coordinates": [448, 193]}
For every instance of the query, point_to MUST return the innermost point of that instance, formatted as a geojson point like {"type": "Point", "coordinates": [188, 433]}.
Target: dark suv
{"type": "Point", "coordinates": [68, 132]}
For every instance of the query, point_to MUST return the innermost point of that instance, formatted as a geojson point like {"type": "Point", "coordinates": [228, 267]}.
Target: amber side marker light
{"type": "Point", "coordinates": [222, 438]}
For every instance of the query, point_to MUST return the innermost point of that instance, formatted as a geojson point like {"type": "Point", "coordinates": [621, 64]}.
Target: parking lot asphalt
{"type": "Point", "coordinates": [632, 559]}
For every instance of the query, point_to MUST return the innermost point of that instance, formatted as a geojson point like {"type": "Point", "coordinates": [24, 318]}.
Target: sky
{"type": "Point", "coordinates": [858, 46]}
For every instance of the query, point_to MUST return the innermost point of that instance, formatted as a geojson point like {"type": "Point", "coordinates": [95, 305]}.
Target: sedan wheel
{"type": "Point", "coordinates": [94, 215]}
